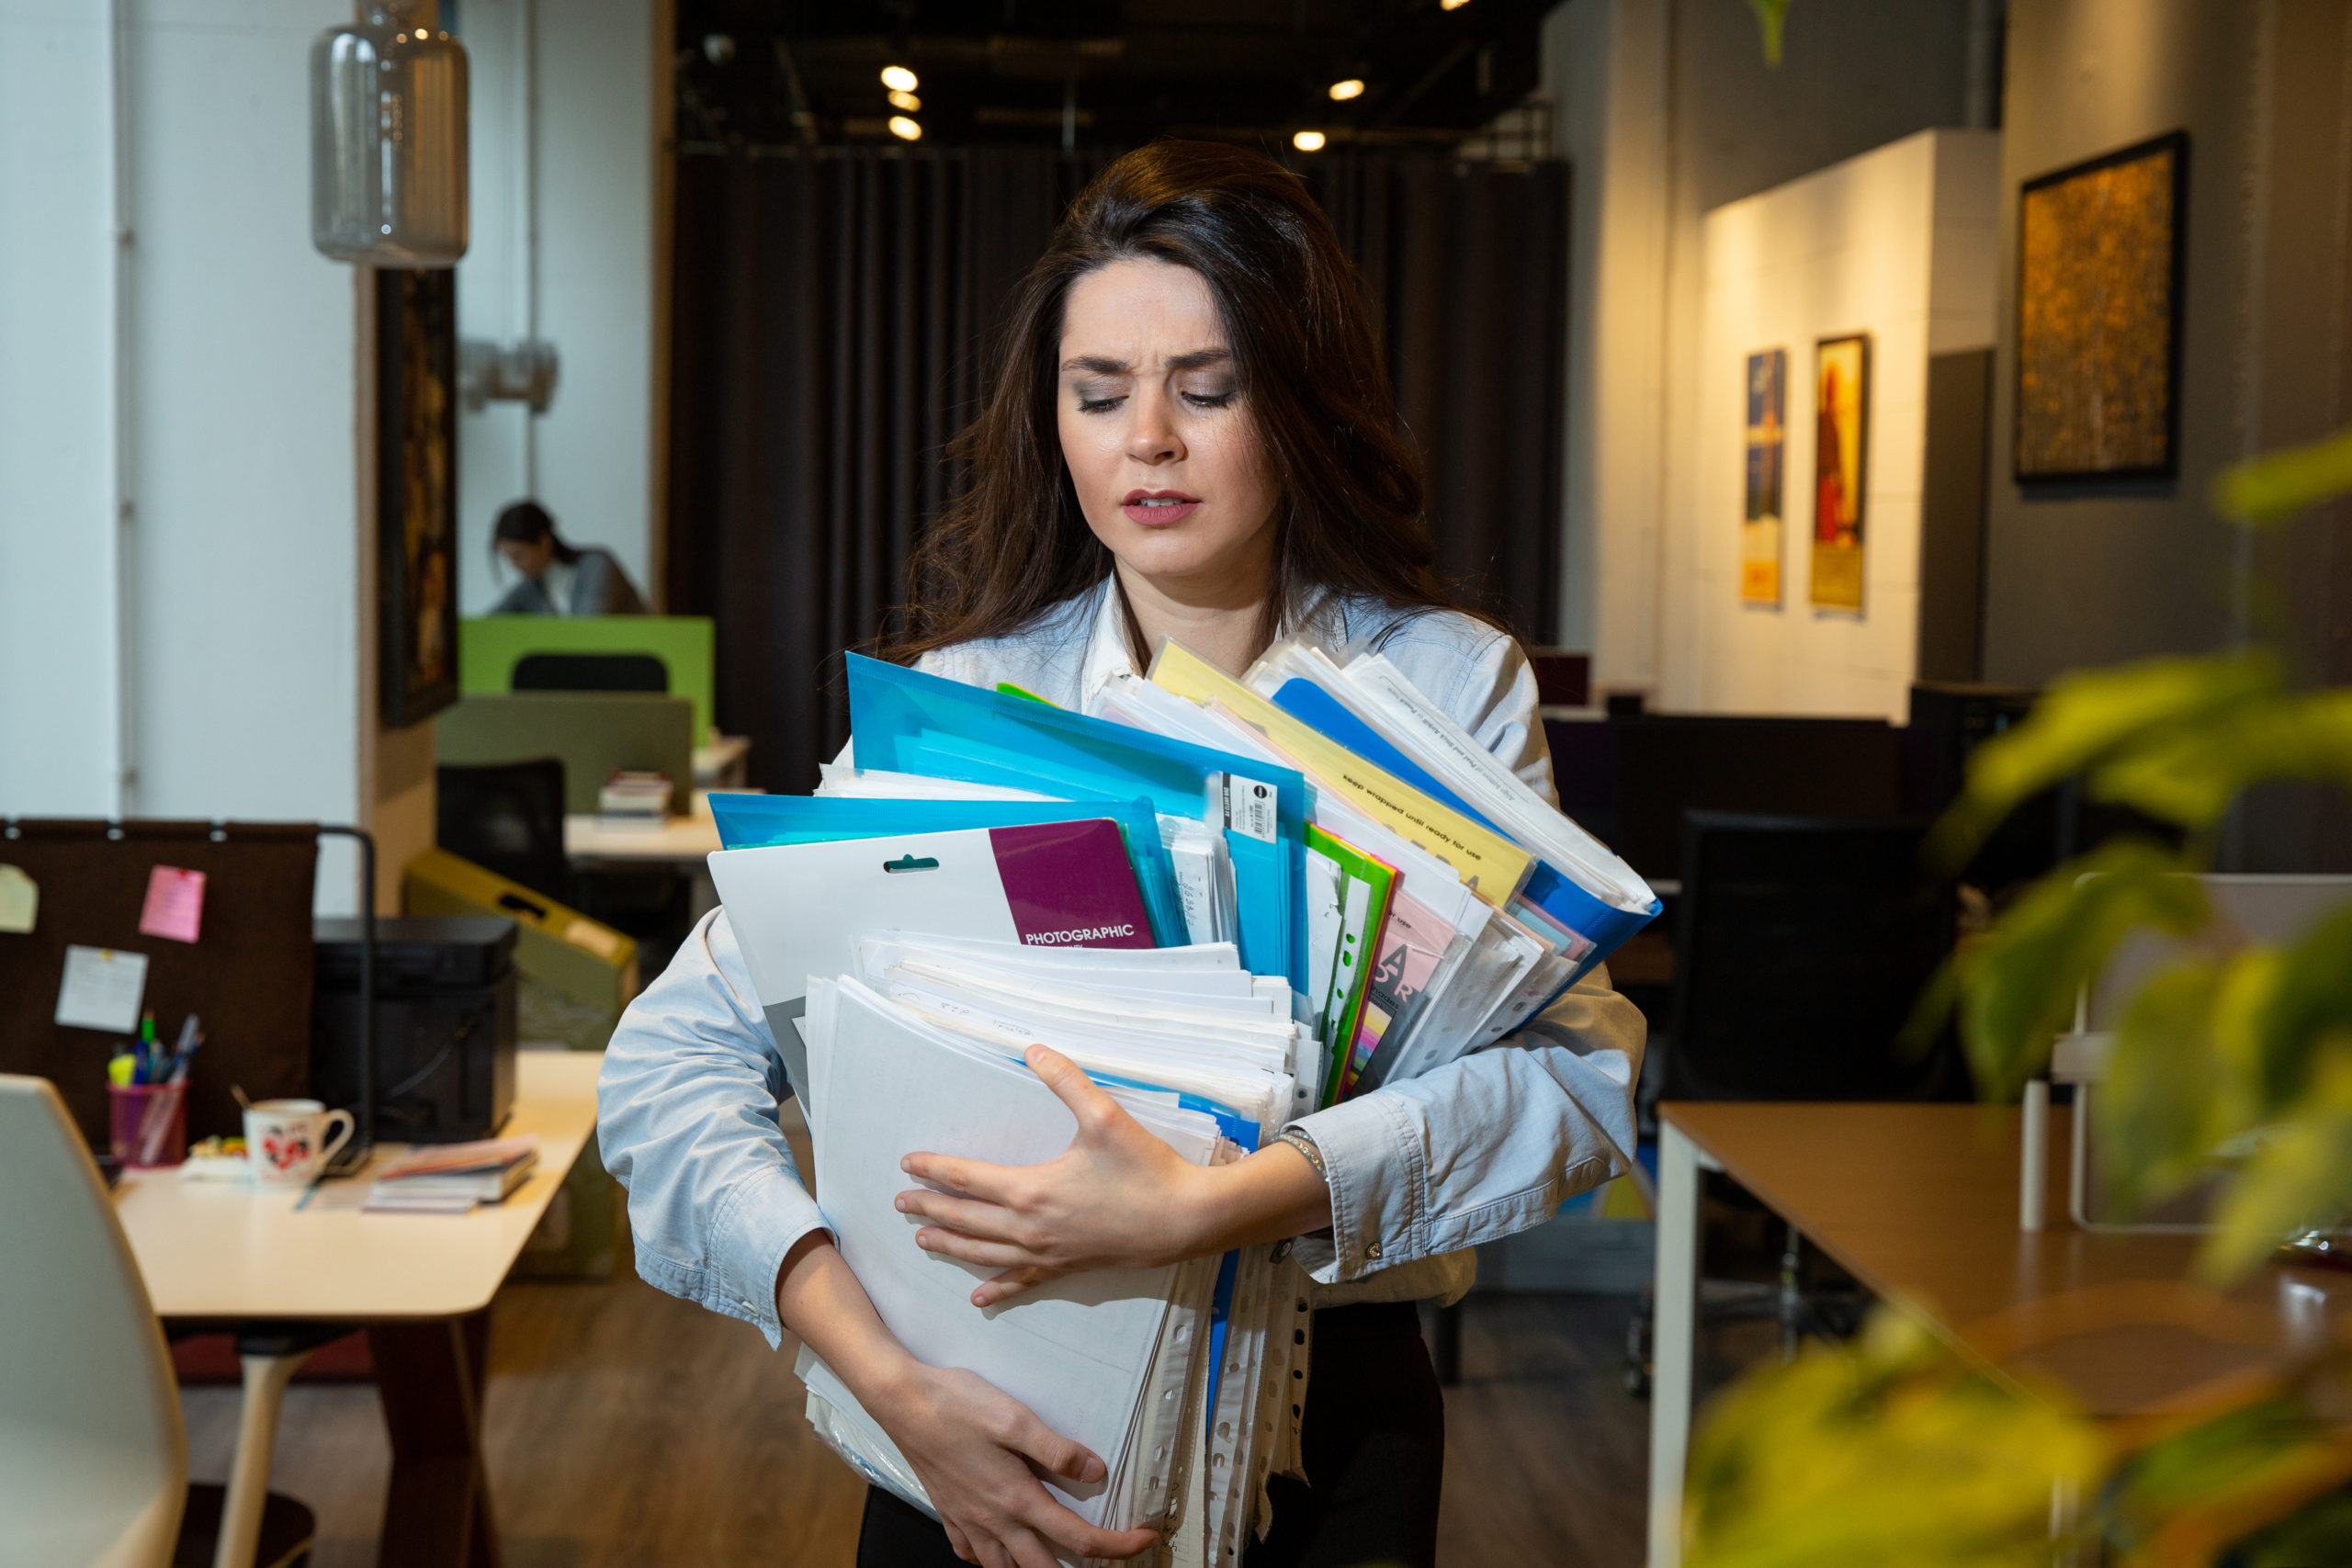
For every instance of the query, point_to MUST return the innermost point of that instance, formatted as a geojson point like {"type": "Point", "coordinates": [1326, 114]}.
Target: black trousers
{"type": "Point", "coordinates": [1372, 1436]}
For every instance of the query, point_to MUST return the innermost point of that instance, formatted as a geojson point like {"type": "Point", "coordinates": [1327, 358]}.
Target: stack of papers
{"type": "Point", "coordinates": [450, 1178]}
{"type": "Point", "coordinates": [1230, 903]}
{"type": "Point", "coordinates": [634, 799]}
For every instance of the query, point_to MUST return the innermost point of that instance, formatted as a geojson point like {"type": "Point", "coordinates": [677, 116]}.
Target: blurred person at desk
{"type": "Point", "coordinates": [558, 579]}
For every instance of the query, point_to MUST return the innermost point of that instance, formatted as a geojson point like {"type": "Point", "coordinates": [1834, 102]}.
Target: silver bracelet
{"type": "Point", "coordinates": [1303, 1140]}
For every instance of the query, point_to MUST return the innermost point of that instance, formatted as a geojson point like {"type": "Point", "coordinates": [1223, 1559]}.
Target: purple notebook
{"type": "Point", "coordinates": [1070, 885]}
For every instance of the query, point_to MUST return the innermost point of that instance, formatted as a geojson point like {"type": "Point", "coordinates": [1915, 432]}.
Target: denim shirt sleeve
{"type": "Point", "coordinates": [1494, 1142]}
{"type": "Point", "coordinates": [686, 1109]}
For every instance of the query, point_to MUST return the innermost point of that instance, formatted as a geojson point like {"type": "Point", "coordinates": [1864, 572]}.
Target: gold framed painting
{"type": "Point", "coordinates": [2102, 258]}
{"type": "Point", "coordinates": [1760, 528]}
{"type": "Point", "coordinates": [1842, 401]}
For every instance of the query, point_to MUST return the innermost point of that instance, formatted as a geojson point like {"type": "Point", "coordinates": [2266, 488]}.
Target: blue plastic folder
{"type": "Point", "coordinates": [757, 821]}
{"type": "Point", "coordinates": [1600, 922]}
{"type": "Point", "coordinates": [906, 721]}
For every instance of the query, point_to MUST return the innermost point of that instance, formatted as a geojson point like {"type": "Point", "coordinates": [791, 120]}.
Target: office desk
{"type": "Point", "coordinates": [1919, 1202]}
{"type": "Point", "coordinates": [421, 1284]}
{"type": "Point", "coordinates": [679, 841]}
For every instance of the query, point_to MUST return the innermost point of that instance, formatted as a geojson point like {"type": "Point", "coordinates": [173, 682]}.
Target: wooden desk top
{"type": "Point", "coordinates": [1919, 1202]}
{"type": "Point", "coordinates": [224, 1251]}
{"type": "Point", "coordinates": [691, 837]}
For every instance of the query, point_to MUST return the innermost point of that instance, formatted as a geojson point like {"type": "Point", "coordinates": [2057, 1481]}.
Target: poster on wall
{"type": "Point", "coordinates": [1759, 529]}
{"type": "Point", "coordinates": [1841, 371]}
{"type": "Point", "coordinates": [2099, 265]}
{"type": "Point", "coordinates": [416, 470]}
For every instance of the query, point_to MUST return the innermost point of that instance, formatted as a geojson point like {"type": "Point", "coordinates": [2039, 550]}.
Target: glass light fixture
{"type": "Point", "coordinates": [905, 101]}
{"type": "Point", "coordinates": [1350, 89]}
{"type": "Point", "coordinates": [898, 79]}
{"type": "Point", "coordinates": [1308, 141]}
{"type": "Point", "coordinates": [388, 143]}
{"type": "Point", "coordinates": [905, 130]}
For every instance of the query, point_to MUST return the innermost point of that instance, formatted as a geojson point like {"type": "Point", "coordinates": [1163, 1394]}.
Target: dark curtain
{"type": "Point", "coordinates": [831, 313]}
{"type": "Point", "coordinates": [1466, 264]}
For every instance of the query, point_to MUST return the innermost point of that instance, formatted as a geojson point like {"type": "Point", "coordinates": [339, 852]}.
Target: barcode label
{"type": "Point", "coordinates": [1243, 804]}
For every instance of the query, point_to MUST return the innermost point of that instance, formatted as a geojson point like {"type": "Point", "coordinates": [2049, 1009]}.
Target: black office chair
{"type": "Point", "coordinates": [1803, 945]}
{"type": "Point", "coordinates": [508, 818]}
{"type": "Point", "coordinates": [590, 672]}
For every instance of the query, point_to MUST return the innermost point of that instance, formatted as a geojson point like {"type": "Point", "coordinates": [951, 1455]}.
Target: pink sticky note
{"type": "Point", "coordinates": [175, 906]}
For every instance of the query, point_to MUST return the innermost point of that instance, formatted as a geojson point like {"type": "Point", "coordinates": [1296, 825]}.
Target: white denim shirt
{"type": "Point", "coordinates": [1420, 1171]}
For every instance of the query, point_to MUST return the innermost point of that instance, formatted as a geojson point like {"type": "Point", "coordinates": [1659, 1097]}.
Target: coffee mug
{"type": "Point", "coordinates": [286, 1142]}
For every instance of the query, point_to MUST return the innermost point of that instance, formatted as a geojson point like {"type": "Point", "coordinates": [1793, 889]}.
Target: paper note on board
{"type": "Point", "coordinates": [19, 900]}
{"type": "Point", "coordinates": [174, 906]}
{"type": "Point", "coordinates": [102, 989]}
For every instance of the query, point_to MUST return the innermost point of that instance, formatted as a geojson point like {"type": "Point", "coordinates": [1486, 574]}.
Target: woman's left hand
{"type": "Point", "coordinates": [1117, 1197]}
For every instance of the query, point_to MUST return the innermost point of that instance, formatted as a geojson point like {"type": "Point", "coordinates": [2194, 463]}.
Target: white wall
{"type": "Point", "coordinates": [1666, 108]}
{"type": "Point", "coordinates": [60, 685]}
{"type": "Point", "coordinates": [246, 576]}
{"type": "Point", "coordinates": [1898, 243]}
{"type": "Point", "coordinates": [589, 460]}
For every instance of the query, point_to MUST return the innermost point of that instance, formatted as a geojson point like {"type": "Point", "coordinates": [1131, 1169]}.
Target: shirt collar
{"type": "Point", "coordinates": [1107, 655]}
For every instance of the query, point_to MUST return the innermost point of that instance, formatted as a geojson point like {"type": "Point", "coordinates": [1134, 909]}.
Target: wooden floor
{"type": "Point", "coordinates": [627, 1428]}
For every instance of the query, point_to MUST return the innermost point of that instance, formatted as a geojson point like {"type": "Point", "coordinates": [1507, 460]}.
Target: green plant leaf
{"type": "Point", "coordinates": [2321, 1532]}
{"type": "Point", "coordinates": [2299, 1177]}
{"type": "Point", "coordinates": [2264, 1462]}
{"type": "Point", "coordinates": [2277, 485]}
{"type": "Point", "coordinates": [2190, 771]}
{"type": "Point", "coordinates": [2310, 1002]}
{"type": "Point", "coordinates": [1884, 1452]}
{"type": "Point", "coordinates": [2080, 721]}
{"type": "Point", "coordinates": [1770, 15]}
{"type": "Point", "coordinates": [2018, 983]}
{"type": "Point", "coordinates": [2162, 1107]}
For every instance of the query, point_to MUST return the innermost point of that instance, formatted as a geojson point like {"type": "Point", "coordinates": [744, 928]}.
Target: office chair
{"type": "Point", "coordinates": [1803, 944]}
{"type": "Point", "coordinates": [590, 672]}
{"type": "Point", "coordinates": [508, 818]}
{"type": "Point", "coordinates": [93, 1457]}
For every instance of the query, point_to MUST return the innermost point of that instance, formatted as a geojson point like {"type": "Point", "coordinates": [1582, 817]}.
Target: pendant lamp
{"type": "Point", "coordinates": [388, 143]}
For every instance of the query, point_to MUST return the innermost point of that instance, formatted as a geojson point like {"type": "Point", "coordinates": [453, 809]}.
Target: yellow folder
{"type": "Point", "coordinates": [1493, 866]}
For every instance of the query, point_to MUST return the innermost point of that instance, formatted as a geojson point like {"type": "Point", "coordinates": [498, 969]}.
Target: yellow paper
{"type": "Point", "coordinates": [1492, 865]}
{"type": "Point", "coordinates": [19, 899]}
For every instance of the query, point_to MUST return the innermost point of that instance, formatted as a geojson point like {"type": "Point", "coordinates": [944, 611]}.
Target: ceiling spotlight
{"type": "Point", "coordinates": [898, 79]}
{"type": "Point", "coordinates": [905, 101]}
{"type": "Point", "coordinates": [1308, 141]}
{"type": "Point", "coordinates": [905, 130]}
{"type": "Point", "coordinates": [1451, 5]}
{"type": "Point", "coordinates": [1350, 89]}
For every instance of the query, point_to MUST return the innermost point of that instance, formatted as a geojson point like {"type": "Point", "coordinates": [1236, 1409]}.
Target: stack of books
{"type": "Point", "coordinates": [1230, 903]}
{"type": "Point", "coordinates": [634, 800]}
{"type": "Point", "coordinates": [450, 1178]}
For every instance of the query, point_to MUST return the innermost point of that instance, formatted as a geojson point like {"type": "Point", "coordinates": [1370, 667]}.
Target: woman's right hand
{"type": "Point", "coordinates": [978, 1452]}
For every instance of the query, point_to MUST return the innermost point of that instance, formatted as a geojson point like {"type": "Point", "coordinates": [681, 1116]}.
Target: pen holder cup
{"type": "Point", "coordinates": [147, 1124]}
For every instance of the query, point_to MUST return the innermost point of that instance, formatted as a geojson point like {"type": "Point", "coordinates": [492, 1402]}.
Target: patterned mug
{"type": "Point", "coordinates": [287, 1141]}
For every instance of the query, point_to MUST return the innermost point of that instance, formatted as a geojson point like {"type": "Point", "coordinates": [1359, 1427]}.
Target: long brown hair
{"type": "Point", "coordinates": [1013, 542]}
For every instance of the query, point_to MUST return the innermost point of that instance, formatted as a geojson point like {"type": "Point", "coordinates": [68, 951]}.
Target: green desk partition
{"type": "Point", "coordinates": [488, 645]}
{"type": "Point", "coordinates": [597, 734]}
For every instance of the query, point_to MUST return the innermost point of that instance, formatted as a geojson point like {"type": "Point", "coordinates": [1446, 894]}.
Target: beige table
{"type": "Point", "coordinates": [420, 1284]}
{"type": "Point", "coordinates": [1919, 1202]}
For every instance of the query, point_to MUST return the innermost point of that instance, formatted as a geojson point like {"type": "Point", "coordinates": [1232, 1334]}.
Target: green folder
{"type": "Point", "coordinates": [1365, 885]}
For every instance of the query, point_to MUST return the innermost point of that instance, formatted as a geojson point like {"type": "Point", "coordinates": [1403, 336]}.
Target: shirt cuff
{"type": "Point", "coordinates": [759, 1223]}
{"type": "Point", "coordinates": [1372, 1166]}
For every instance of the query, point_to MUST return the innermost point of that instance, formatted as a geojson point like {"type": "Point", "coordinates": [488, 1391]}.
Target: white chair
{"type": "Point", "coordinates": [93, 1455]}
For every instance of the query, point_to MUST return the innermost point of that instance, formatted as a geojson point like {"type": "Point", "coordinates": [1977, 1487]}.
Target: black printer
{"type": "Point", "coordinates": [445, 1024]}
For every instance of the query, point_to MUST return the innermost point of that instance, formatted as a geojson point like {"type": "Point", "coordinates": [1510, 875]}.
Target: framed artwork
{"type": "Point", "coordinates": [1841, 400]}
{"type": "Point", "coordinates": [2101, 256]}
{"type": "Point", "coordinates": [416, 479]}
{"type": "Point", "coordinates": [1760, 528]}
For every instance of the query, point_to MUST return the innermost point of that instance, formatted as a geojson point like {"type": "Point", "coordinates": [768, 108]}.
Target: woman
{"type": "Point", "coordinates": [558, 579]}
{"type": "Point", "coordinates": [1190, 436]}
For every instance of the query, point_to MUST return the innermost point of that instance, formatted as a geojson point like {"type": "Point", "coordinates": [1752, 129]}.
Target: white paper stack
{"type": "Point", "coordinates": [920, 1050]}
